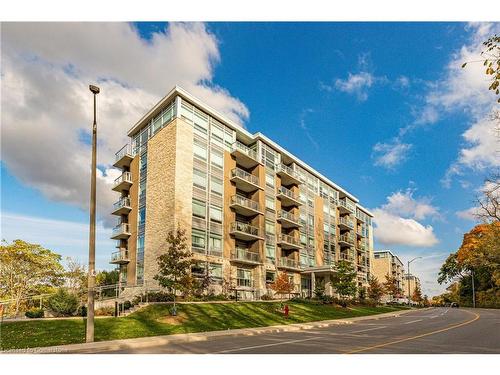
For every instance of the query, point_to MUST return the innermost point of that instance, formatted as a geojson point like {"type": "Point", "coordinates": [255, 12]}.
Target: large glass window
{"type": "Point", "coordinates": [200, 178]}
{"type": "Point", "coordinates": [270, 179]}
{"type": "Point", "coordinates": [216, 158]}
{"type": "Point", "coordinates": [199, 208]}
{"type": "Point", "coordinates": [215, 270]}
{"type": "Point", "coordinates": [270, 252]}
{"type": "Point", "coordinates": [270, 202]}
{"type": "Point", "coordinates": [216, 214]}
{"type": "Point", "coordinates": [198, 239]}
{"type": "Point", "coordinates": [215, 242]}
{"type": "Point", "coordinates": [200, 150]}
{"type": "Point", "coordinates": [216, 185]}
{"type": "Point", "coordinates": [270, 227]}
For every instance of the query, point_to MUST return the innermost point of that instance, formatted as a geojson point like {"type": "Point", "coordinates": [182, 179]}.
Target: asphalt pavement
{"type": "Point", "coordinates": [429, 331]}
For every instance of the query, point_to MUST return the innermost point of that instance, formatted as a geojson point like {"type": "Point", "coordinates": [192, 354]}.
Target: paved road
{"type": "Point", "coordinates": [437, 330]}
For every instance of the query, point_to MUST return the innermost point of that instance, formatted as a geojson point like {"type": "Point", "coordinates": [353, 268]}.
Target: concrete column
{"type": "Point", "coordinates": [313, 283]}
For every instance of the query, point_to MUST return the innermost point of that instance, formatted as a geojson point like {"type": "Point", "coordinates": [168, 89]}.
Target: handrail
{"type": "Point", "coordinates": [283, 190]}
{"type": "Point", "coordinates": [289, 239]}
{"type": "Point", "coordinates": [245, 228]}
{"type": "Point", "coordinates": [125, 176]}
{"type": "Point", "coordinates": [242, 201]}
{"type": "Point", "coordinates": [287, 215]}
{"type": "Point", "coordinates": [122, 202]}
{"type": "Point", "coordinates": [245, 149]}
{"type": "Point", "coordinates": [238, 172]}
{"type": "Point", "coordinates": [125, 150]}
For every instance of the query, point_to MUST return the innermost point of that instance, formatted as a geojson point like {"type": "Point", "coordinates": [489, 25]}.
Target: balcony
{"type": "Point", "coordinates": [361, 246]}
{"type": "Point", "coordinates": [124, 157]}
{"type": "Point", "coordinates": [346, 240]}
{"type": "Point", "coordinates": [346, 223]}
{"type": "Point", "coordinates": [244, 231]}
{"type": "Point", "coordinates": [121, 231]}
{"type": "Point", "coordinates": [123, 182]}
{"type": "Point", "coordinates": [361, 217]}
{"type": "Point", "coordinates": [244, 283]}
{"type": "Point", "coordinates": [288, 242]}
{"type": "Point", "coordinates": [245, 256]}
{"type": "Point", "coordinates": [244, 206]}
{"type": "Point", "coordinates": [287, 197]}
{"type": "Point", "coordinates": [290, 264]}
{"type": "Point", "coordinates": [120, 257]}
{"type": "Point", "coordinates": [245, 181]}
{"type": "Point", "coordinates": [288, 220]}
{"type": "Point", "coordinates": [122, 207]}
{"type": "Point", "coordinates": [245, 156]}
{"type": "Point", "coordinates": [346, 206]}
{"type": "Point", "coordinates": [346, 257]}
{"type": "Point", "coordinates": [287, 174]}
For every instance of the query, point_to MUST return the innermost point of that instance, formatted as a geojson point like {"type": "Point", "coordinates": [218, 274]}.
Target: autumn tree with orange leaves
{"type": "Point", "coordinates": [282, 284]}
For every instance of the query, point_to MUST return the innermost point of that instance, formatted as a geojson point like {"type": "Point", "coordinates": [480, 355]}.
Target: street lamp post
{"type": "Point", "coordinates": [89, 336]}
{"type": "Point", "coordinates": [473, 290]}
{"type": "Point", "coordinates": [408, 279]}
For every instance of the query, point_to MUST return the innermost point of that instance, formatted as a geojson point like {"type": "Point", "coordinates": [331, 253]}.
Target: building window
{"type": "Point", "coordinates": [270, 202]}
{"type": "Point", "coordinates": [303, 239]}
{"type": "Point", "coordinates": [270, 277]}
{"type": "Point", "coordinates": [243, 277]}
{"type": "Point", "coordinates": [270, 227]}
{"type": "Point", "coordinates": [198, 239]}
{"type": "Point", "coordinates": [215, 271]}
{"type": "Point", "coordinates": [270, 179]}
{"type": "Point", "coordinates": [199, 208]}
{"type": "Point", "coordinates": [216, 214]}
{"type": "Point", "coordinates": [215, 243]}
{"type": "Point", "coordinates": [270, 252]}
{"type": "Point", "coordinates": [216, 158]}
{"type": "Point", "coordinates": [310, 220]}
{"type": "Point", "coordinates": [200, 150]}
{"type": "Point", "coordinates": [199, 179]}
{"type": "Point", "coordinates": [216, 185]}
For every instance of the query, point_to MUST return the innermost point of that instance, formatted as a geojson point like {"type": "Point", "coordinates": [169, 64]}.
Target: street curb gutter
{"type": "Point", "coordinates": [144, 342]}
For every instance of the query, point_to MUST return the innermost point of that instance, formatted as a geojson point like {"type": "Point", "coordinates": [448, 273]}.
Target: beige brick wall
{"type": "Point", "coordinates": [169, 189]}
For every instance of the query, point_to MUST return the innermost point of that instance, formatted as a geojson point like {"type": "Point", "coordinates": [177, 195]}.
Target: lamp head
{"type": "Point", "coordinates": [94, 89]}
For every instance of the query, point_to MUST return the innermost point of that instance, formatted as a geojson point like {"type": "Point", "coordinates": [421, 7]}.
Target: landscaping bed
{"type": "Point", "coordinates": [155, 320]}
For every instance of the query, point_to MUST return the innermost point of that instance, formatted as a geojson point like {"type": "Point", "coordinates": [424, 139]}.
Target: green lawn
{"type": "Point", "coordinates": [194, 318]}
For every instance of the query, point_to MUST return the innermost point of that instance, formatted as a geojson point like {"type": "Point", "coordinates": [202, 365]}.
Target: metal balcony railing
{"type": "Point", "coordinates": [244, 254]}
{"type": "Point", "coordinates": [122, 202]}
{"type": "Point", "coordinates": [119, 256]}
{"type": "Point", "coordinates": [238, 146]}
{"type": "Point", "coordinates": [238, 226]}
{"type": "Point", "coordinates": [347, 221]}
{"type": "Point", "coordinates": [283, 190]}
{"type": "Point", "coordinates": [124, 177]}
{"type": "Point", "coordinates": [347, 238]}
{"type": "Point", "coordinates": [288, 216]}
{"type": "Point", "coordinates": [245, 202]}
{"type": "Point", "coordinates": [291, 263]}
{"type": "Point", "coordinates": [124, 151]}
{"type": "Point", "coordinates": [347, 205]}
{"type": "Point", "coordinates": [244, 282]}
{"type": "Point", "coordinates": [244, 175]}
{"type": "Point", "coordinates": [122, 228]}
{"type": "Point", "coordinates": [288, 239]}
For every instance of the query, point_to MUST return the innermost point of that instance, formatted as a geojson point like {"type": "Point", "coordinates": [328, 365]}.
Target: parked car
{"type": "Point", "coordinates": [454, 304]}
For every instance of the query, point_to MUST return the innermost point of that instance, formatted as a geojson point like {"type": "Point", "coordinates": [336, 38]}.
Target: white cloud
{"type": "Point", "coordinates": [390, 155]}
{"type": "Point", "coordinates": [468, 214]}
{"type": "Point", "coordinates": [357, 84]}
{"type": "Point", "coordinates": [67, 238]}
{"type": "Point", "coordinates": [47, 107]}
{"type": "Point", "coordinates": [396, 222]}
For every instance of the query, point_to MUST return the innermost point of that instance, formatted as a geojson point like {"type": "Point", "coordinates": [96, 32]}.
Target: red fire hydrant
{"type": "Point", "coordinates": [286, 311]}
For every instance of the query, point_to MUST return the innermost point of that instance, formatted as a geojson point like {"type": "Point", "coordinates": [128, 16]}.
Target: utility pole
{"type": "Point", "coordinates": [89, 336]}
{"type": "Point", "coordinates": [408, 279]}
{"type": "Point", "coordinates": [473, 290]}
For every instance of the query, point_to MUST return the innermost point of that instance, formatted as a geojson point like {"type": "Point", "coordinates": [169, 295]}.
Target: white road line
{"type": "Point", "coordinates": [266, 345]}
{"type": "Point", "coordinates": [413, 321]}
{"type": "Point", "coordinates": [368, 329]}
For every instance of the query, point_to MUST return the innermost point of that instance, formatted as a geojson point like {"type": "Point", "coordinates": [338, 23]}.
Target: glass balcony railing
{"type": "Point", "coordinates": [288, 216]}
{"type": "Point", "coordinates": [121, 230]}
{"type": "Point", "coordinates": [124, 177]}
{"type": "Point", "coordinates": [347, 205]}
{"type": "Point", "coordinates": [120, 256]}
{"type": "Point", "coordinates": [288, 239]}
{"type": "Point", "coordinates": [290, 263]}
{"type": "Point", "coordinates": [288, 193]}
{"type": "Point", "coordinates": [244, 175]}
{"type": "Point", "coordinates": [123, 202]}
{"type": "Point", "coordinates": [347, 221]}
{"type": "Point", "coordinates": [349, 238]}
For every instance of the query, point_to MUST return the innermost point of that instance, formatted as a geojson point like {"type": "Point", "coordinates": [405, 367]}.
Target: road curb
{"type": "Point", "coordinates": [144, 342]}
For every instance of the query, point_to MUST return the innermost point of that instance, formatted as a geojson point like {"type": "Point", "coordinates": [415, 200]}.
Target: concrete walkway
{"type": "Point", "coordinates": [144, 342]}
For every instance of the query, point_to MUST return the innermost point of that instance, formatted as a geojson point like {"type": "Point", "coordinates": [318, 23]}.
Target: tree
{"type": "Point", "coordinates": [27, 268]}
{"type": "Point", "coordinates": [488, 201]}
{"type": "Point", "coordinates": [417, 294]}
{"type": "Point", "coordinates": [491, 60]}
{"type": "Point", "coordinates": [174, 265]}
{"type": "Point", "coordinates": [107, 277]}
{"type": "Point", "coordinates": [375, 289]}
{"type": "Point", "coordinates": [282, 284]}
{"type": "Point", "coordinates": [426, 301]}
{"type": "Point", "coordinates": [344, 280]}
{"type": "Point", "coordinates": [391, 286]}
{"type": "Point", "coordinates": [63, 303]}
{"type": "Point", "coordinates": [319, 290]}
{"type": "Point", "coordinates": [76, 278]}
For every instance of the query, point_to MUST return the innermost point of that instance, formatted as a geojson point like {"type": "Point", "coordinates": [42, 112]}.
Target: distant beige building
{"type": "Point", "coordinates": [412, 282]}
{"type": "Point", "coordinates": [250, 207]}
{"type": "Point", "coordinates": [386, 263]}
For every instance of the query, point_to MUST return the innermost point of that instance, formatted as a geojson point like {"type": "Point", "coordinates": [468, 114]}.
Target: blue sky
{"type": "Point", "coordinates": [383, 109]}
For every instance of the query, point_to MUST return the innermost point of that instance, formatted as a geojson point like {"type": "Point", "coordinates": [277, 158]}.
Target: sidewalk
{"type": "Point", "coordinates": [144, 342]}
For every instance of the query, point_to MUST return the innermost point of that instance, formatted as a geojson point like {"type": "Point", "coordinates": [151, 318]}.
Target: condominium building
{"type": "Point", "coordinates": [412, 282]}
{"type": "Point", "coordinates": [386, 263]}
{"type": "Point", "coordinates": [250, 208]}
